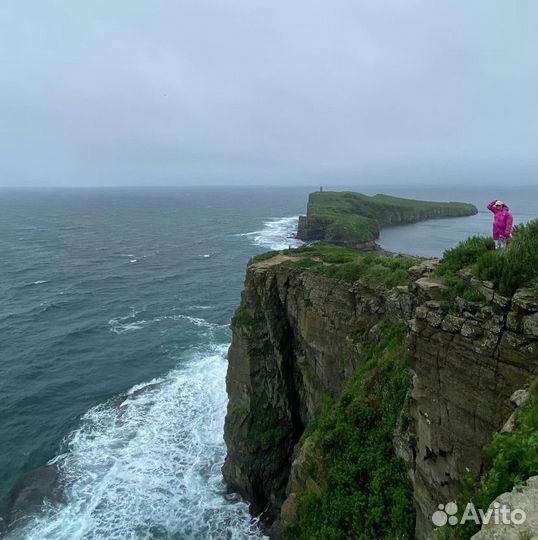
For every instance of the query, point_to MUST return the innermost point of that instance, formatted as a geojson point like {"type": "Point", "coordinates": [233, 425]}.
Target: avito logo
{"type": "Point", "coordinates": [496, 513]}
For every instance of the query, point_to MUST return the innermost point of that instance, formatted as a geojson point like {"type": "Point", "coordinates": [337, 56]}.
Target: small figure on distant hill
{"type": "Point", "coordinates": [502, 223]}
{"type": "Point", "coordinates": [321, 189]}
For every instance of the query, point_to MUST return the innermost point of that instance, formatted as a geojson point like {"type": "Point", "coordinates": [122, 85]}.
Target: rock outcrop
{"type": "Point", "coordinates": [522, 498]}
{"type": "Point", "coordinates": [293, 344]}
{"type": "Point", "coordinates": [467, 365]}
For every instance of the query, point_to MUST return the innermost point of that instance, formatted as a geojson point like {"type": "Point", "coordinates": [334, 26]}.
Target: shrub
{"type": "Point", "coordinates": [365, 491]}
{"type": "Point", "coordinates": [242, 317]}
{"type": "Point", "coordinates": [465, 254]}
{"type": "Point", "coordinates": [489, 266]}
{"type": "Point", "coordinates": [472, 295]}
{"type": "Point", "coordinates": [515, 266]}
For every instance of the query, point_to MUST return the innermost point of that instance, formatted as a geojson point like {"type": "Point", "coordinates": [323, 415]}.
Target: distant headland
{"type": "Point", "coordinates": [354, 220]}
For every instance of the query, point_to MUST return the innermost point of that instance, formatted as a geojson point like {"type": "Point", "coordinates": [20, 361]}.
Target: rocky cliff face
{"type": "Point", "coordinates": [466, 366]}
{"type": "Point", "coordinates": [293, 345]}
{"type": "Point", "coordinates": [312, 228]}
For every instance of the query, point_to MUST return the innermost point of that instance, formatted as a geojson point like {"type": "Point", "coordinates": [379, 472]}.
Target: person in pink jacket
{"type": "Point", "coordinates": [502, 223]}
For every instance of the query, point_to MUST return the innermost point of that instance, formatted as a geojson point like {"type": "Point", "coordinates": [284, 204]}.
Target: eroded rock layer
{"type": "Point", "coordinates": [294, 344]}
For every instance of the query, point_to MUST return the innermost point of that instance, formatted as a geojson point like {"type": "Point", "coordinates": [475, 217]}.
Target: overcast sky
{"type": "Point", "coordinates": [154, 92]}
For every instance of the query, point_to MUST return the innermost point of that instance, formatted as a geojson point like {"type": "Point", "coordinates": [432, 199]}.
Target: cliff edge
{"type": "Point", "coordinates": [363, 389]}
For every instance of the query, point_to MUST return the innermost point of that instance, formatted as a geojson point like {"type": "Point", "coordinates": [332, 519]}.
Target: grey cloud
{"type": "Point", "coordinates": [245, 91]}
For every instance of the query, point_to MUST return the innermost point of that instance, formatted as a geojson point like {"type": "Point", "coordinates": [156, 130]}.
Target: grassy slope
{"type": "Point", "coordinates": [348, 264]}
{"type": "Point", "coordinates": [365, 492]}
{"type": "Point", "coordinates": [353, 217]}
{"type": "Point", "coordinates": [508, 269]}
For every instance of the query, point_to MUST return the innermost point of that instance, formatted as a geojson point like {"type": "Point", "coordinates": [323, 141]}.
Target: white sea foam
{"type": "Point", "coordinates": [278, 233]}
{"type": "Point", "coordinates": [129, 327]}
{"type": "Point", "coordinates": [39, 282]}
{"type": "Point", "coordinates": [129, 323]}
{"type": "Point", "coordinates": [197, 321]}
{"type": "Point", "coordinates": [120, 325]}
{"type": "Point", "coordinates": [150, 468]}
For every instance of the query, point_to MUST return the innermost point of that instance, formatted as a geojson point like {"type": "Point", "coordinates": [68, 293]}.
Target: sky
{"type": "Point", "coordinates": [156, 92]}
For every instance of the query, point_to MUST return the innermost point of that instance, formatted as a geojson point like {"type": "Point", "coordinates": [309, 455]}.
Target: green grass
{"type": "Point", "coordinates": [365, 493]}
{"type": "Point", "coordinates": [350, 265]}
{"type": "Point", "coordinates": [465, 254]}
{"type": "Point", "coordinates": [265, 256]}
{"type": "Point", "coordinates": [513, 267]}
{"type": "Point", "coordinates": [354, 217]}
{"type": "Point", "coordinates": [509, 460]}
{"type": "Point", "coordinates": [329, 253]}
{"type": "Point", "coordinates": [352, 228]}
{"type": "Point", "coordinates": [242, 317]}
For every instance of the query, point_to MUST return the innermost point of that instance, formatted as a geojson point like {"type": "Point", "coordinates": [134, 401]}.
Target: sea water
{"type": "Point", "coordinates": [114, 326]}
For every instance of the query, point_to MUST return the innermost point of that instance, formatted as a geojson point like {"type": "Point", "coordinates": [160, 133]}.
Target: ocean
{"type": "Point", "coordinates": [114, 325]}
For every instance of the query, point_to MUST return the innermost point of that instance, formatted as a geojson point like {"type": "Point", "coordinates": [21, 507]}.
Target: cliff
{"type": "Point", "coordinates": [353, 219]}
{"type": "Point", "coordinates": [337, 416]}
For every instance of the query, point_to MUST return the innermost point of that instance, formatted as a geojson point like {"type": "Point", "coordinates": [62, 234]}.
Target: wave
{"type": "Point", "coordinates": [197, 321]}
{"type": "Point", "coordinates": [278, 233]}
{"type": "Point", "coordinates": [45, 307]}
{"type": "Point", "coordinates": [120, 325]}
{"type": "Point", "coordinates": [150, 467]}
{"type": "Point", "coordinates": [129, 323]}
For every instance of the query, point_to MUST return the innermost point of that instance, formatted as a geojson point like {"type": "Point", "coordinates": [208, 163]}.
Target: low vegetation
{"type": "Point", "coordinates": [242, 317]}
{"type": "Point", "coordinates": [265, 256]}
{"type": "Point", "coordinates": [356, 218]}
{"type": "Point", "coordinates": [508, 269]}
{"type": "Point", "coordinates": [364, 490]}
{"type": "Point", "coordinates": [351, 265]}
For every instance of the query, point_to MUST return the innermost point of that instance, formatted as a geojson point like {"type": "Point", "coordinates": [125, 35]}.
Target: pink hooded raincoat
{"type": "Point", "coordinates": [502, 221]}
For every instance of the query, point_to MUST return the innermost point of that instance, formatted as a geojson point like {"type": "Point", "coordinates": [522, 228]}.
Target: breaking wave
{"type": "Point", "coordinates": [148, 465]}
{"type": "Point", "coordinates": [277, 233]}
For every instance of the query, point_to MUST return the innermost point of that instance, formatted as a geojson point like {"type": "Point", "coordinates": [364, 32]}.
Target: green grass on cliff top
{"type": "Point", "coordinates": [380, 207]}
{"type": "Point", "coordinates": [349, 265]}
{"type": "Point", "coordinates": [508, 269]}
{"type": "Point", "coordinates": [354, 217]}
{"type": "Point", "coordinates": [513, 267]}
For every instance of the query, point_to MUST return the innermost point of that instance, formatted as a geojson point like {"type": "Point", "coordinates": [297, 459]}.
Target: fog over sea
{"type": "Point", "coordinates": [114, 325]}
